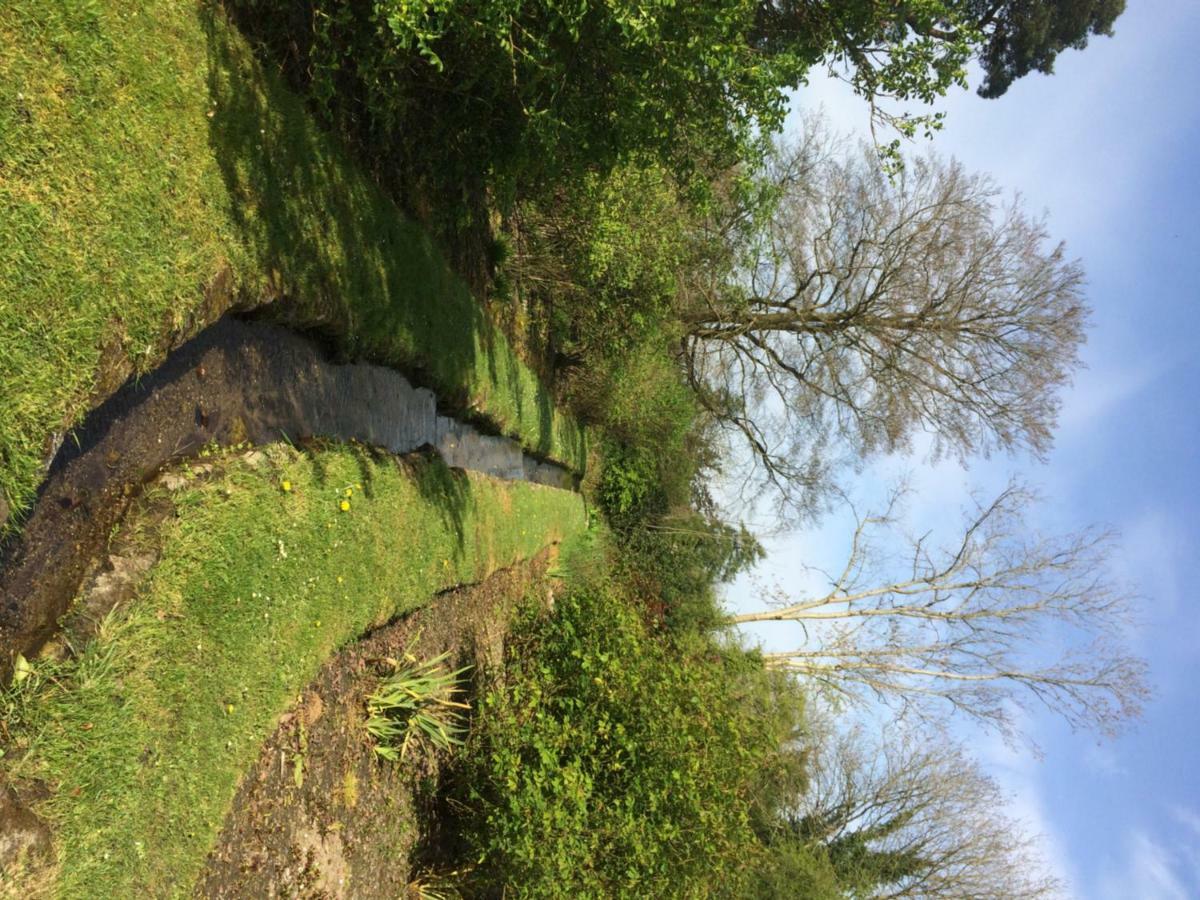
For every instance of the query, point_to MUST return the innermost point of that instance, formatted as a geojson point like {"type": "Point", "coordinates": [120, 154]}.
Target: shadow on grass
{"type": "Point", "coordinates": [351, 266]}
{"type": "Point", "coordinates": [446, 490]}
{"type": "Point", "coordinates": [353, 269]}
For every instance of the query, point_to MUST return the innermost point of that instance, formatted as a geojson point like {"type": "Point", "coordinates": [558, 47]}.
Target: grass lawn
{"type": "Point", "coordinates": [144, 736]}
{"type": "Point", "coordinates": [143, 153]}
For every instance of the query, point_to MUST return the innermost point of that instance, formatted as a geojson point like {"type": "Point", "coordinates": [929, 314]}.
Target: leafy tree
{"type": "Point", "coordinates": [870, 309]}
{"type": "Point", "coordinates": [1023, 36]}
{"type": "Point", "coordinates": [919, 50]}
{"type": "Point", "coordinates": [539, 89]}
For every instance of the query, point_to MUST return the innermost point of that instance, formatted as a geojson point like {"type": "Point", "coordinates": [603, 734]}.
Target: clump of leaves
{"type": "Point", "coordinates": [607, 762]}
{"type": "Point", "coordinates": [416, 706]}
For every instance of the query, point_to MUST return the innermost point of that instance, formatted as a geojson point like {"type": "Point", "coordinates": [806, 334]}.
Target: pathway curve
{"type": "Point", "coordinates": [236, 381]}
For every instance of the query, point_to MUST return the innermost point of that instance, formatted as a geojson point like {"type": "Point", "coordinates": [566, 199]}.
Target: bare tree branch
{"type": "Point", "coordinates": [923, 803]}
{"type": "Point", "coordinates": [955, 628]}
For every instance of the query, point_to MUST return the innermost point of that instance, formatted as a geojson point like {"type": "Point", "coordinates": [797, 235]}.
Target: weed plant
{"type": "Point", "coordinates": [415, 707]}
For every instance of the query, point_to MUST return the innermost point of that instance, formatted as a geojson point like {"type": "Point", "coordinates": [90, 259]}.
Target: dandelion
{"type": "Point", "coordinates": [345, 505]}
{"type": "Point", "coordinates": [286, 485]}
{"type": "Point", "coordinates": [349, 492]}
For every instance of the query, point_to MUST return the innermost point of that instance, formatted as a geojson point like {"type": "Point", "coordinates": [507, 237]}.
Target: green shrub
{"type": "Point", "coordinates": [630, 487]}
{"type": "Point", "coordinates": [638, 398]}
{"type": "Point", "coordinates": [537, 90]}
{"type": "Point", "coordinates": [797, 869]}
{"type": "Point", "coordinates": [606, 762]}
{"type": "Point", "coordinates": [675, 562]}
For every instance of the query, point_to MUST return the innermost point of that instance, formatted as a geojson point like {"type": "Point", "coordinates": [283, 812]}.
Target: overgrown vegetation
{"type": "Point", "coordinates": [607, 762]}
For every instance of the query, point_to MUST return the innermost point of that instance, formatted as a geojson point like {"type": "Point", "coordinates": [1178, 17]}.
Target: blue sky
{"type": "Point", "coordinates": [1109, 147]}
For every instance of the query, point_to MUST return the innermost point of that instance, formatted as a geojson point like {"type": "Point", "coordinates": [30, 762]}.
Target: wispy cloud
{"type": "Point", "coordinates": [1100, 393]}
{"type": "Point", "coordinates": [1154, 545]}
{"type": "Point", "coordinates": [1150, 870]}
{"type": "Point", "coordinates": [1021, 776]}
{"type": "Point", "coordinates": [1103, 759]}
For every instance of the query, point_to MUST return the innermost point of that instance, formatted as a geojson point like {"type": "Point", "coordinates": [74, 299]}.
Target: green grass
{"type": "Point", "coordinates": [143, 738]}
{"type": "Point", "coordinates": [143, 152]}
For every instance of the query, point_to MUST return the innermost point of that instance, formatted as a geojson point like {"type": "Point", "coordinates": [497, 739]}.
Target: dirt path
{"type": "Point", "coordinates": [321, 815]}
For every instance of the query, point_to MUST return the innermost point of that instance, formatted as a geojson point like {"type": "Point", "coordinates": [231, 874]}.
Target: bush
{"type": "Point", "coordinates": [631, 488]}
{"type": "Point", "coordinates": [537, 91]}
{"type": "Point", "coordinates": [797, 869]}
{"type": "Point", "coordinates": [638, 399]}
{"type": "Point", "coordinates": [605, 762]}
{"type": "Point", "coordinates": [675, 563]}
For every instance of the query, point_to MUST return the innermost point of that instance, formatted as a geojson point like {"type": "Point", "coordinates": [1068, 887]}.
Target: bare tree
{"type": "Point", "coordinates": [913, 817]}
{"type": "Point", "coordinates": [958, 625]}
{"type": "Point", "coordinates": [870, 309]}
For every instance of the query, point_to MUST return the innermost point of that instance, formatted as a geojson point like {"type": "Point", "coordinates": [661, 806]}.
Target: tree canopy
{"type": "Point", "coordinates": [909, 817]}
{"type": "Point", "coordinates": [919, 50]}
{"type": "Point", "coordinates": [956, 627]}
{"type": "Point", "coordinates": [871, 308]}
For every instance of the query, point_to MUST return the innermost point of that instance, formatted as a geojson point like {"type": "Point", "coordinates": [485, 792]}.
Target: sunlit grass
{"type": "Point", "coordinates": [144, 737]}
{"type": "Point", "coordinates": [143, 151]}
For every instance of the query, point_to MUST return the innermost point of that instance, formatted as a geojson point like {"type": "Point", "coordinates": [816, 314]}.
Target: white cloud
{"type": "Point", "coordinates": [1152, 553]}
{"type": "Point", "coordinates": [1188, 844]}
{"type": "Point", "coordinates": [1020, 775]}
{"type": "Point", "coordinates": [1099, 393]}
{"type": "Point", "coordinates": [1102, 759]}
{"type": "Point", "coordinates": [1149, 871]}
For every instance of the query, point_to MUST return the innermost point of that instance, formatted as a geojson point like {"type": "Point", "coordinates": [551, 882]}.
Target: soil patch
{"type": "Point", "coordinates": [321, 815]}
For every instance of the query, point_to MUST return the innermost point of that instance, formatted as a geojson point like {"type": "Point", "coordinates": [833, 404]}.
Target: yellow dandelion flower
{"type": "Point", "coordinates": [286, 485]}
{"type": "Point", "coordinates": [345, 505]}
{"type": "Point", "coordinates": [349, 492]}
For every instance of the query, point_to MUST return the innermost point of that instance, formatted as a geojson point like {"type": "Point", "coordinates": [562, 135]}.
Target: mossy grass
{"type": "Point", "coordinates": [142, 737]}
{"type": "Point", "coordinates": [144, 155]}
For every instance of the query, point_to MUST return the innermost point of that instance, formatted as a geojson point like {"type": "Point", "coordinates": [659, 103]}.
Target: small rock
{"type": "Point", "coordinates": [173, 481]}
{"type": "Point", "coordinates": [24, 838]}
{"type": "Point", "coordinates": [313, 708]}
{"type": "Point", "coordinates": [255, 458]}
